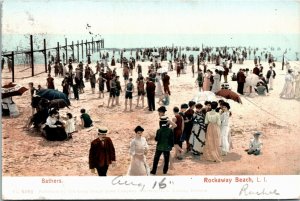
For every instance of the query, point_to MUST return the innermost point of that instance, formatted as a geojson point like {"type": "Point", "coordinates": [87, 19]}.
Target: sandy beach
{"type": "Point", "coordinates": [26, 153]}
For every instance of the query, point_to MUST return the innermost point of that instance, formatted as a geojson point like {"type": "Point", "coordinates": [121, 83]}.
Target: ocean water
{"type": "Point", "coordinates": [264, 42]}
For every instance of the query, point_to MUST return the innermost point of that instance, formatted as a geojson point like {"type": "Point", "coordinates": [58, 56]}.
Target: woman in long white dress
{"type": "Point", "coordinates": [225, 129]}
{"type": "Point", "coordinates": [138, 150]}
{"type": "Point", "coordinates": [216, 85]}
{"type": "Point", "coordinates": [297, 87]}
{"type": "Point", "coordinates": [158, 88]}
{"type": "Point", "coordinates": [288, 91]}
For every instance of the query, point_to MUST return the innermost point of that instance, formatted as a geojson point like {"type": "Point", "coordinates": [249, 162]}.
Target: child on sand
{"type": "Point", "coordinates": [255, 144]}
{"type": "Point", "coordinates": [70, 125]}
{"type": "Point", "coordinates": [86, 120]}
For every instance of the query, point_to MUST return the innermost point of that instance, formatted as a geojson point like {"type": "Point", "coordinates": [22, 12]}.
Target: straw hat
{"type": "Point", "coordinates": [257, 133]}
{"type": "Point", "coordinates": [102, 131]}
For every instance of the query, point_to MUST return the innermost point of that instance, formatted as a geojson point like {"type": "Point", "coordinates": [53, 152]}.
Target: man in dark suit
{"type": "Point", "coordinates": [270, 77]}
{"type": "Point", "coordinates": [241, 79]}
{"type": "Point", "coordinates": [150, 89]}
{"type": "Point", "coordinates": [256, 70]}
{"type": "Point", "coordinates": [102, 153]}
{"type": "Point", "coordinates": [165, 142]}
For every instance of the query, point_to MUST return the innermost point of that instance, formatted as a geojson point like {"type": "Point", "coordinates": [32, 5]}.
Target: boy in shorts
{"type": "Point", "coordinates": [128, 94]}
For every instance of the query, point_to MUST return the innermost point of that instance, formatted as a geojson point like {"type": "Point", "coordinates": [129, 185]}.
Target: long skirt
{"type": "Point", "coordinates": [211, 151]}
{"type": "Point", "coordinates": [288, 91]}
{"type": "Point", "coordinates": [206, 84]}
{"type": "Point", "coordinates": [138, 166]}
{"type": "Point", "coordinates": [197, 139]}
{"type": "Point", "coordinates": [225, 139]}
{"type": "Point", "coordinates": [55, 134]}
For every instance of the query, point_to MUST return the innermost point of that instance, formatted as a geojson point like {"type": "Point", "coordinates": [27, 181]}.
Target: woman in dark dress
{"type": "Point", "coordinates": [54, 129]}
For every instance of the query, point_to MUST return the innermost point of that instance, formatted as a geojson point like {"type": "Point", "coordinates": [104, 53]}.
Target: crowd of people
{"type": "Point", "coordinates": [204, 129]}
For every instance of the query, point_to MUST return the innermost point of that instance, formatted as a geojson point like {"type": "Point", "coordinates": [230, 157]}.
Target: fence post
{"type": "Point", "coordinates": [73, 51]}
{"type": "Point", "coordinates": [13, 66]}
{"type": "Point", "coordinates": [66, 50]}
{"type": "Point", "coordinates": [78, 51]}
{"type": "Point", "coordinates": [58, 54]}
{"type": "Point", "coordinates": [86, 49]}
{"type": "Point", "coordinates": [92, 45]}
{"type": "Point", "coordinates": [81, 49]}
{"type": "Point", "coordinates": [31, 54]}
{"type": "Point", "coordinates": [45, 55]}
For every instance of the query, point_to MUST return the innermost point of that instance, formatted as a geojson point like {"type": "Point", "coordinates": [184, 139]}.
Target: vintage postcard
{"type": "Point", "coordinates": [183, 99]}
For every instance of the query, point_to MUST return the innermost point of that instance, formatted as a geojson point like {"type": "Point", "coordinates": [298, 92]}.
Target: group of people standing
{"type": "Point", "coordinates": [205, 130]}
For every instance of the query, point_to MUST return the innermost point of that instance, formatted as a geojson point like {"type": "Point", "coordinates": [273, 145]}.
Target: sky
{"type": "Point", "coordinates": [151, 17]}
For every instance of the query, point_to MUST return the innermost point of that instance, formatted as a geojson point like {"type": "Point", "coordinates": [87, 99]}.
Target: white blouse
{"type": "Point", "coordinates": [70, 126]}
{"type": "Point", "coordinates": [255, 144]}
{"type": "Point", "coordinates": [138, 146]}
{"type": "Point", "coordinates": [213, 117]}
{"type": "Point", "coordinates": [225, 119]}
{"type": "Point", "coordinates": [51, 121]}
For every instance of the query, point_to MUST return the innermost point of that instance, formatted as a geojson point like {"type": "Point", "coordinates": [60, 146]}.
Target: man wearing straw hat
{"type": "Point", "coordinates": [102, 153]}
{"type": "Point", "coordinates": [165, 142]}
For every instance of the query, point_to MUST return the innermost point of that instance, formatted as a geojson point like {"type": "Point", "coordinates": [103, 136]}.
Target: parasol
{"type": "Point", "coordinates": [11, 89]}
{"type": "Point", "coordinates": [58, 103]}
{"type": "Point", "coordinates": [52, 94]}
{"type": "Point", "coordinates": [162, 70]}
{"type": "Point", "coordinates": [204, 96]}
{"type": "Point", "coordinates": [228, 94]}
{"type": "Point", "coordinates": [252, 80]}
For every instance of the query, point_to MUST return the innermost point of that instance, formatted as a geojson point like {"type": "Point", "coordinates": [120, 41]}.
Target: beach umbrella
{"type": "Point", "coordinates": [58, 103]}
{"type": "Point", "coordinates": [204, 96]}
{"type": "Point", "coordinates": [252, 79]}
{"type": "Point", "coordinates": [12, 89]}
{"type": "Point", "coordinates": [220, 68]}
{"type": "Point", "coordinates": [52, 94]}
{"type": "Point", "coordinates": [162, 70]}
{"type": "Point", "coordinates": [228, 94]}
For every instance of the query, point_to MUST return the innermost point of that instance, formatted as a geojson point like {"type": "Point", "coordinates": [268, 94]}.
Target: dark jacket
{"type": "Point", "coordinates": [256, 70]}
{"type": "Point", "coordinates": [165, 139]}
{"type": "Point", "coordinates": [269, 74]}
{"type": "Point", "coordinates": [150, 88]}
{"type": "Point", "coordinates": [241, 77]}
{"type": "Point", "coordinates": [101, 154]}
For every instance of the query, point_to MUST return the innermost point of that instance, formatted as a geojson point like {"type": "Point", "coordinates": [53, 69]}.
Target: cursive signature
{"type": "Point", "coordinates": [119, 180]}
{"type": "Point", "coordinates": [246, 191]}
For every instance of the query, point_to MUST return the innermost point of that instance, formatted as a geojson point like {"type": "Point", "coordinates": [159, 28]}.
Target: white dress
{"type": "Point", "coordinates": [288, 88]}
{"type": "Point", "coordinates": [225, 132]}
{"type": "Point", "coordinates": [70, 126]}
{"type": "Point", "coordinates": [138, 165]}
{"type": "Point", "coordinates": [216, 85]}
{"type": "Point", "coordinates": [297, 87]}
{"type": "Point", "coordinates": [158, 88]}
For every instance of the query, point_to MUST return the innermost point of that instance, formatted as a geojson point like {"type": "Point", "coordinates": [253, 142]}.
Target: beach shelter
{"type": "Point", "coordinates": [12, 89]}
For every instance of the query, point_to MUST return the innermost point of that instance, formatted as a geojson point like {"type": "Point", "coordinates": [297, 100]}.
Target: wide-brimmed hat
{"type": "Point", "coordinates": [162, 109]}
{"type": "Point", "coordinates": [257, 133]}
{"type": "Point", "coordinates": [138, 128]}
{"type": "Point", "coordinates": [102, 131]}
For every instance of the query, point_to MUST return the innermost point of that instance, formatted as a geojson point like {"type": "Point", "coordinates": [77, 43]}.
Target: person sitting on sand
{"type": "Point", "coordinates": [70, 125]}
{"type": "Point", "coordinates": [255, 144]}
{"type": "Point", "coordinates": [54, 129]}
{"type": "Point", "coordinates": [86, 120]}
